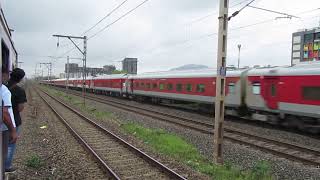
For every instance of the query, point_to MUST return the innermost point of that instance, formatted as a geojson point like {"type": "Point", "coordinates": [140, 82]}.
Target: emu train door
{"type": "Point", "coordinates": [271, 92]}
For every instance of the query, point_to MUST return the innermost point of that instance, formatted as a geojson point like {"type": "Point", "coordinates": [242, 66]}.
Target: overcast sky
{"type": "Point", "coordinates": [162, 34]}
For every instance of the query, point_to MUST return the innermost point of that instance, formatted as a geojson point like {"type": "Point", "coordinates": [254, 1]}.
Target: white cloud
{"type": "Point", "coordinates": [156, 32]}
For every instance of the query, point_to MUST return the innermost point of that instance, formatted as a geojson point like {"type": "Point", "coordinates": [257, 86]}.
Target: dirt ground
{"type": "Point", "coordinates": [46, 150]}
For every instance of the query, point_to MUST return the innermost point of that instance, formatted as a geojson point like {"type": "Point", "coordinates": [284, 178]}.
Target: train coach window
{"type": "Point", "coordinates": [148, 85]}
{"type": "Point", "coordinates": [311, 93]}
{"type": "Point", "coordinates": [189, 87]}
{"type": "Point", "coordinates": [200, 88]}
{"type": "Point", "coordinates": [256, 88]}
{"type": "Point", "coordinates": [273, 90]}
{"type": "Point", "coordinates": [169, 86]}
{"type": "Point", "coordinates": [179, 87]}
{"type": "Point", "coordinates": [137, 84]}
{"type": "Point", "coordinates": [142, 85]}
{"type": "Point", "coordinates": [231, 88]}
{"type": "Point", "coordinates": [161, 86]}
{"type": "Point", "coordinates": [154, 86]}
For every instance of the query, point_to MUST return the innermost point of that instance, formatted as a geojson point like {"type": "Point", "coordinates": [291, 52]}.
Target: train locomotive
{"type": "Point", "coordinates": [288, 96]}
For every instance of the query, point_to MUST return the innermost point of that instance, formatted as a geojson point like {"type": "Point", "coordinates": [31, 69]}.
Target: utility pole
{"type": "Point", "coordinates": [220, 81]}
{"type": "Point", "coordinates": [67, 85]}
{"type": "Point", "coordinates": [84, 68]}
{"type": "Point", "coordinates": [35, 71]}
{"type": "Point", "coordinates": [239, 47]}
{"type": "Point", "coordinates": [41, 72]}
{"type": "Point", "coordinates": [84, 53]}
{"type": "Point", "coordinates": [49, 67]}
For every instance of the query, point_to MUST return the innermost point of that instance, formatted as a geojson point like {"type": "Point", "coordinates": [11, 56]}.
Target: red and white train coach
{"type": "Point", "coordinates": [289, 94]}
{"type": "Point", "coordinates": [108, 84]}
{"type": "Point", "coordinates": [285, 95]}
{"type": "Point", "coordinates": [188, 86]}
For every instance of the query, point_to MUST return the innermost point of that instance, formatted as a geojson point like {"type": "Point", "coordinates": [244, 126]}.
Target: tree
{"type": "Point", "coordinates": [119, 72]}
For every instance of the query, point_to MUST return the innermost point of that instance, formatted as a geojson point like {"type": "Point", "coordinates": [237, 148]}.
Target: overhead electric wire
{"type": "Point", "coordinates": [109, 14]}
{"type": "Point", "coordinates": [253, 24]}
{"type": "Point", "coordinates": [184, 42]}
{"type": "Point", "coordinates": [150, 51]}
{"type": "Point", "coordinates": [109, 25]}
{"type": "Point", "coordinates": [272, 11]}
{"type": "Point", "coordinates": [102, 19]}
{"type": "Point", "coordinates": [309, 11]}
{"type": "Point", "coordinates": [237, 12]}
{"type": "Point", "coordinates": [215, 13]}
{"type": "Point", "coordinates": [124, 15]}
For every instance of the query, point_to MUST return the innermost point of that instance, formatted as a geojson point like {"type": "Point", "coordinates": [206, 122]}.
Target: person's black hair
{"type": "Point", "coordinates": [17, 75]}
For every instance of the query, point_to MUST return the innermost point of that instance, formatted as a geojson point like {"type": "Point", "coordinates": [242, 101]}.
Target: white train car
{"type": "Point", "coordinates": [9, 55]}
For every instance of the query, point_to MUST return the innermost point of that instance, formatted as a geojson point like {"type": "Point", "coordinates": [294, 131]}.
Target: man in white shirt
{"type": "Point", "coordinates": [8, 125]}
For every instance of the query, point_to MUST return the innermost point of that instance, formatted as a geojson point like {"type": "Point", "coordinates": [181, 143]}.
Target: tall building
{"type": "Point", "coordinates": [73, 68]}
{"type": "Point", "coordinates": [129, 65]}
{"type": "Point", "coordinates": [306, 47]}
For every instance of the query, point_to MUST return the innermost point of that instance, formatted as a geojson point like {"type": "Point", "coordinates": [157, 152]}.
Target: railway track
{"type": "Point", "coordinates": [288, 150]}
{"type": "Point", "coordinates": [116, 156]}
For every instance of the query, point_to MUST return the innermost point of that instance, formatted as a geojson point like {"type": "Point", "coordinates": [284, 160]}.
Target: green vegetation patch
{"type": "Point", "coordinates": [34, 161]}
{"type": "Point", "coordinates": [78, 102]}
{"type": "Point", "coordinates": [176, 147]}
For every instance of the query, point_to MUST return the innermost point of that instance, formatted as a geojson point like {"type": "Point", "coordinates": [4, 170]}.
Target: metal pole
{"type": "Point", "coordinates": [67, 85]}
{"type": "Point", "coordinates": [84, 68]}
{"type": "Point", "coordinates": [50, 70]}
{"type": "Point", "coordinates": [239, 47]}
{"type": "Point", "coordinates": [84, 58]}
{"type": "Point", "coordinates": [35, 72]}
{"type": "Point", "coordinates": [48, 73]}
{"type": "Point", "coordinates": [220, 82]}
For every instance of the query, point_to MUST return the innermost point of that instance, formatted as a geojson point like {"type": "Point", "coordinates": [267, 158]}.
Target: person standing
{"type": "Point", "coordinates": [18, 99]}
{"type": "Point", "coordinates": [8, 127]}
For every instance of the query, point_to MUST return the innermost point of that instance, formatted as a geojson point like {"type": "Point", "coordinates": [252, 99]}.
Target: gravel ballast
{"type": "Point", "coordinates": [44, 136]}
{"type": "Point", "coordinates": [241, 156]}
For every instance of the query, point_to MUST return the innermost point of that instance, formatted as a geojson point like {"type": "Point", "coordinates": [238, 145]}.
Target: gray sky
{"type": "Point", "coordinates": [162, 34]}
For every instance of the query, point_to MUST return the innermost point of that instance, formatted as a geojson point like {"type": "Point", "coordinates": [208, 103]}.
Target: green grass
{"type": "Point", "coordinates": [78, 102]}
{"type": "Point", "coordinates": [179, 149]}
{"type": "Point", "coordinates": [175, 147]}
{"type": "Point", "coordinates": [34, 161]}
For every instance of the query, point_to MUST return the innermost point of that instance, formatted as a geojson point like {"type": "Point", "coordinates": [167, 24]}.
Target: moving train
{"type": "Point", "coordinates": [288, 96]}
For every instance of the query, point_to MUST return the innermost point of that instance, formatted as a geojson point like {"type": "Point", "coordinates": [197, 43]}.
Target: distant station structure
{"type": "Point", "coordinates": [306, 47]}
{"type": "Point", "coordinates": [129, 65]}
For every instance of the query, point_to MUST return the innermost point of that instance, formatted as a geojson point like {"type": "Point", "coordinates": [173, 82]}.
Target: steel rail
{"type": "Point", "coordinates": [143, 155]}
{"type": "Point", "coordinates": [82, 141]}
{"type": "Point", "coordinates": [207, 128]}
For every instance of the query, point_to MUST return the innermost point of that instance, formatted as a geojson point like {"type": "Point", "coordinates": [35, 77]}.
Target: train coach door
{"type": "Point", "coordinates": [271, 92]}
{"type": "Point", "coordinates": [131, 86]}
{"type": "Point", "coordinates": [91, 84]}
{"type": "Point", "coordinates": [122, 86]}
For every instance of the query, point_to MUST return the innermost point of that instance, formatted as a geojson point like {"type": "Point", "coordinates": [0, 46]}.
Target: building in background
{"type": "Point", "coordinates": [109, 69]}
{"type": "Point", "coordinates": [75, 71]}
{"type": "Point", "coordinates": [129, 65]}
{"type": "Point", "coordinates": [306, 47]}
